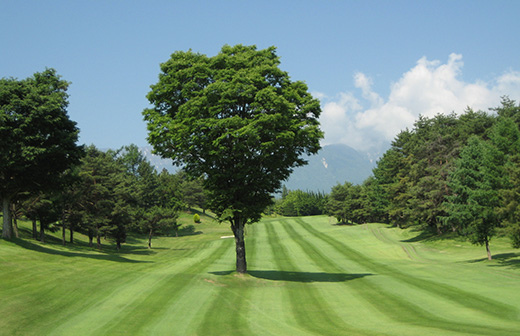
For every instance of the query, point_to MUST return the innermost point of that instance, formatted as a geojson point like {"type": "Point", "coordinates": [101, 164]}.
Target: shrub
{"type": "Point", "coordinates": [196, 218]}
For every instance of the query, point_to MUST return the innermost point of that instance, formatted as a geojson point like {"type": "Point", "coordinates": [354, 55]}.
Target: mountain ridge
{"type": "Point", "coordinates": [333, 164]}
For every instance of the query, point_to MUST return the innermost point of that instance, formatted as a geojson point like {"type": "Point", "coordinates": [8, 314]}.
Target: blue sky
{"type": "Point", "coordinates": [375, 65]}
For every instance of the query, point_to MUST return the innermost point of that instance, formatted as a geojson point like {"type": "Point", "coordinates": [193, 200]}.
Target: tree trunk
{"type": "Point", "coordinates": [118, 245]}
{"type": "Point", "coordinates": [238, 230]}
{"type": "Point", "coordinates": [488, 251]}
{"type": "Point", "coordinates": [34, 229]}
{"type": "Point", "coordinates": [150, 239]}
{"type": "Point", "coordinates": [7, 228]}
{"type": "Point", "coordinates": [63, 235]}
{"type": "Point", "coordinates": [42, 232]}
{"type": "Point", "coordinates": [15, 227]}
{"type": "Point", "coordinates": [71, 240]}
{"type": "Point", "coordinates": [98, 239]}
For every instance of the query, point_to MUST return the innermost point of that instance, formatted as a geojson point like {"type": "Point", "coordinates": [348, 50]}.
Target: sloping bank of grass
{"type": "Point", "coordinates": [307, 277]}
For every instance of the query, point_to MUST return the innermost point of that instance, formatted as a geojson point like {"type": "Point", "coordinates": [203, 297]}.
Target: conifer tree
{"type": "Point", "coordinates": [475, 185]}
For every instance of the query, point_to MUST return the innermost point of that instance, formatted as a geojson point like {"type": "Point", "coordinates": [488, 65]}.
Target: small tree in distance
{"type": "Point", "coordinates": [239, 121]}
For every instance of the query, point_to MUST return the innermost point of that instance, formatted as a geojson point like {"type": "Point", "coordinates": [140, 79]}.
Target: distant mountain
{"type": "Point", "coordinates": [158, 162]}
{"type": "Point", "coordinates": [333, 164]}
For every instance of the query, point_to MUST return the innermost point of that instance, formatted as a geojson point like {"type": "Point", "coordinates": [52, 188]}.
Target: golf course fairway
{"type": "Point", "coordinates": [306, 276]}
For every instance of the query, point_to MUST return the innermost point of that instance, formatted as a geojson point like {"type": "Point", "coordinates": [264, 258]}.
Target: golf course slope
{"type": "Point", "coordinates": [307, 276]}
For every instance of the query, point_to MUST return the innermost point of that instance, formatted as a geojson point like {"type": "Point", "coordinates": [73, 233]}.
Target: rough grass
{"type": "Point", "coordinates": [306, 277]}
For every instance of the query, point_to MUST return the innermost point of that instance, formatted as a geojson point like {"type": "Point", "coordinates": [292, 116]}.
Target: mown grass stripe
{"type": "Point", "coordinates": [50, 297]}
{"type": "Point", "coordinates": [122, 309]}
{"type": "Point", "coordinates": [391, 305]}
{"type": "Point", "coordinates": [404, 311]}
{"type": "Point", "coordinates": [467, 299]}
{"type": "Point", "coordinates": [408, 249]}
{"type": "Point", "coordinates": [228, 310]}
{"type": "Point", "coordinates": [185, 312]}
{"type": "Point", "coordinates": [165, 292]}
{"type": "Point", "coordinates": [268, 312]}
{"type": "Point", "coordinates": [309, 309]}
{"type": "Point", "coordinates": [225, 315]}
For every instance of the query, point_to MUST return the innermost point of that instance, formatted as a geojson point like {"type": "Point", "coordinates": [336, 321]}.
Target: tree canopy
{"type": "Point", "coordinates": [449, 173]}
{"type": "Point", "coordinates": [42, 138]}
{"type": "Point", "coordinates": [239, 121]}
{"type": "Point", "coordinates": [475, 185]}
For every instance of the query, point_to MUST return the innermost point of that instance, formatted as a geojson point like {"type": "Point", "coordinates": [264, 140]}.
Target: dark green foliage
{"type": "Point", "coordinates": [42, 138]}
{"type": "Point", "coordinates": [349, 203]}
{"type": "Point", "coordinates": [448, 173]}
{"type": "Point", "coordinates": [108, 194]}
{"type": "Point", "coordinates": [239, 121]}
{"type": "Point", "coordinates": [337, 202]}
{"type": "Point", "coordinates": [42, 207]}
{"type": "Point", "coordinates": [159, 220]}
{"type": "Point", "coordinates": [374, 202]}
{"type": "Point", "coordinates": [193, 192]}
{"type": "Point", "coordinates": [506, 138]}
{"type": "Point", "coordinates": [475, 184]}
{"type": "Point", "coordinates": [412, 175]}
{"type": "Point", "coordinates": [301, 203]}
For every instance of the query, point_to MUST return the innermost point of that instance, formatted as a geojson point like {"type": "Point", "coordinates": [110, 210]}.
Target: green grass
{"type": "Point", "coordinates": [306, 277]}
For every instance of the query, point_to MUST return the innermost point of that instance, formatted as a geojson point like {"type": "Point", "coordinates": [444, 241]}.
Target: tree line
{"type": "Point", "coordinates": [109, 194]}
{"type": "Point", "coordinates": [47, 178]}
{"type": "Point", "coordinates": [449, 173]}
{"type": "Point", "coordinates": [300, 203]}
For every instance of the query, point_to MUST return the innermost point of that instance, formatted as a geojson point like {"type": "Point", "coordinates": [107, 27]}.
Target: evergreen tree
{"type": "Point", "coordinates": [475, 185]}
{"type": "Point", "coordinates": [506, 138]}
{"type": "Point", "coordinates": [336, 202]}
{"type": "Point", "coordinates": [109, 193]}
{"type": "Point", "coordinates": [41, 138]}
{"type": "Point", "coordinates": [159, 219]}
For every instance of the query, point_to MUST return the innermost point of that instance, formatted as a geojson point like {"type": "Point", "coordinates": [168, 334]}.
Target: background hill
{"type": "Point", "coordinates": [333, 164]}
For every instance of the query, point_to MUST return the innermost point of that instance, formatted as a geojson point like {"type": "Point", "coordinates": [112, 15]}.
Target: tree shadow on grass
{"type": "Point", "coordinates": [502, 259]}
{"type": "Point", "coordinates": [301, 276]}
{"type": "Point", "coordinates": [422, 236]}
{"type": "Point", "coordinates": [70, 253]}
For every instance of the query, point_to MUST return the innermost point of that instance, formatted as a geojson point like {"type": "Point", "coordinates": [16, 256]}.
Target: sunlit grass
{"type": "Point", "coordinates": [306, 277]}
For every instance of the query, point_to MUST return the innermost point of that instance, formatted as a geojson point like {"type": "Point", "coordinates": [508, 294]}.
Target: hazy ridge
{"type": "Point", "coordinates": [333, 164]}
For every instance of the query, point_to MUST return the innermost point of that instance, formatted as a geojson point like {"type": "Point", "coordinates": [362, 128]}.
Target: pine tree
{"type": "Point", "coordinates": [475, 185]}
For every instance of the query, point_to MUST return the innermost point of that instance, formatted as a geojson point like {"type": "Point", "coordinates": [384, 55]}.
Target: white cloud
{"type": "Point", "coordinates": [370, 122]}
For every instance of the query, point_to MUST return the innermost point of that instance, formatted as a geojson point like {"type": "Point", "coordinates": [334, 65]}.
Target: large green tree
{"type": "Point", "coordinates": [38, 140]}
{"type": "Point", "coordinates": [506, 138]}
{"type": "Point", "coordinates": [237, 119]}
{"type": "Point", "coordinates": [475, 185]}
